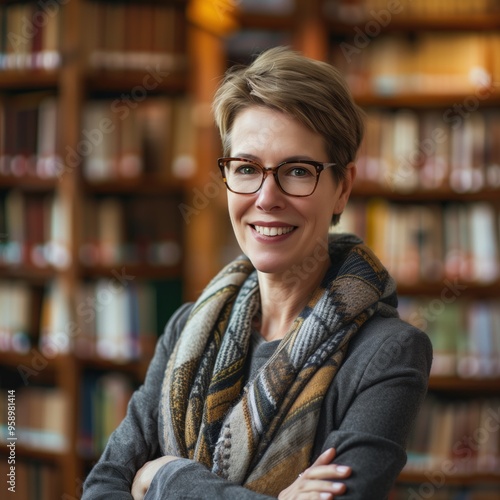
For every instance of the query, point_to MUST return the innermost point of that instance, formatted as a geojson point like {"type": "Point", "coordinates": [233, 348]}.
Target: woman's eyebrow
{"type": "Point", "coordinates": [258, 160]}
{"type": "Point", "coordinates": [247, 157]}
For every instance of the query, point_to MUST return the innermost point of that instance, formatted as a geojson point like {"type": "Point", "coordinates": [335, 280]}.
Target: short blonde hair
{"type": "Point", "coordinates": [313, 92]}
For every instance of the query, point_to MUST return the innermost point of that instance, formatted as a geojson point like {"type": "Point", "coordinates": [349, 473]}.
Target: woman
{"type": "Point", "coordinates": [292, 376]}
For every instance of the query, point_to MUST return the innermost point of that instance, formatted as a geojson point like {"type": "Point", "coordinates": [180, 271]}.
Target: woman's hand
{"type": "Point", "coordinates": [316, 481]}
{"type": "Point", "coordinates": [145, 475]}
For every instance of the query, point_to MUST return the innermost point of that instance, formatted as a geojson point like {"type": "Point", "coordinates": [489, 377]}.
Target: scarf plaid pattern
{"type": "Point", "coordinates": [261, 434]}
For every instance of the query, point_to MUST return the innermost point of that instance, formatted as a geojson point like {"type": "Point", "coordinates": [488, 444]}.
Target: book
{"type": "Point", "coordinates": [464, 333]}
{"type": "Point", "coordinates": [56, 334]}
{"type": "Point", "coordinates": [16, 305]}
{"type": "Point", "coordinates": [134, 36]}
{"type": "Point", "coordinates": [430, 63]}
{"type": "Point", "coordinates": [462, 437]}
{"type": "Point", "coordinates": [406, 151]}
{"type": "Point", "coordinates": [104, 403]}
{"type": "Point", "coordinates": [30, 36]}
{"type": "Point", "coordinates": [127, 138]}
{"type": "Point", "coordinates": [122, 322]}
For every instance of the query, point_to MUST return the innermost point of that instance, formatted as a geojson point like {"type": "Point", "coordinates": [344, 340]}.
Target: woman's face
{"type": "Point", "coordinates": [271, 137]}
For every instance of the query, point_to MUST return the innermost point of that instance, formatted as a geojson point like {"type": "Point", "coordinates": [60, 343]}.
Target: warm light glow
{"type": "Point", "coordinates": [216, 16]}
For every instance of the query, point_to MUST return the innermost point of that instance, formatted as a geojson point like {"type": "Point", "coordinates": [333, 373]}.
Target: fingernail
{"type": "Point", "coordinates": [337, 487]}
{"type": "Point", "coordinates": [325, 496]}
{"type": "Point", "coordinates": [343, 469]}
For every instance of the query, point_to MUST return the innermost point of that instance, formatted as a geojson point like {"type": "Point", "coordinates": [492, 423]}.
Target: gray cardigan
{"type": "Point", "coordinates": [367, 415]}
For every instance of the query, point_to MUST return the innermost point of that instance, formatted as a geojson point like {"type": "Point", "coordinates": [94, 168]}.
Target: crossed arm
{"type": "Point", "coordinates": [318, 481]}
{"type": "Point", "coordinates": [375, 403]}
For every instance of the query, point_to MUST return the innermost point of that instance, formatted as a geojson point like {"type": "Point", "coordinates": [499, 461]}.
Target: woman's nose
{"type": "Point", "coordinates": [270, 195]}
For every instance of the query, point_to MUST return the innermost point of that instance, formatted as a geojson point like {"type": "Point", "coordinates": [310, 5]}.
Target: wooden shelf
{"type": "Point", "coordinates": [74, 83]}
{"type": "Point", "coordinates": [33, 367]}
{"type": "Point", "coordinates": [118, 80]}
{"type": "Point", "coordinates": [28, 183]}
{"type": "Point", "coordinates": [250, 20]}
{"type": "Point", "coordinates": [28, 272]}
{"type": "Point", "coordinates": [365, 189]}
{"type": "Point", "coordinates": [136, 368]}
{"type": "Point", "coordinates": [426, 100]}
{"type": "Point", "coordinates": [140, 271]}
{"type": "Point", "coordinates": [459, 384]}
{"type": "Point", "coordinates": [28, 79]}
{"type": "Point", "coordinates": [34, 453]}
{"type": "Point", "coordinates": [399, 23]}
{"type": "Point", "coordinates": [467, 288]}
{"type": "Point", "coordinates": [145, 185]}
{"type": "Point", "coordinates": [14, 359]}
{"type": "Point", "coordinates": [475, 479]}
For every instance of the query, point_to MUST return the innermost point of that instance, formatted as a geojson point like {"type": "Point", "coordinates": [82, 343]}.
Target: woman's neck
{"type": "Point", "coordinates": [282, 300]}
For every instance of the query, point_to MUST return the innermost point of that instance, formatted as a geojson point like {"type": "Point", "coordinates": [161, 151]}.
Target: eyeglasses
{"type": "Point", "coordinates": [294, 178]}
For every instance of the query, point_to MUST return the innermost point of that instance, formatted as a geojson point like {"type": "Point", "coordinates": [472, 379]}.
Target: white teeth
{"type": "Point", "coordinates": [273, 231]}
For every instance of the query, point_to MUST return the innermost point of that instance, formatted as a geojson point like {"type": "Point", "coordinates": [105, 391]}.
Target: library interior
{"type": "Point", "coordinates": [110, 217]}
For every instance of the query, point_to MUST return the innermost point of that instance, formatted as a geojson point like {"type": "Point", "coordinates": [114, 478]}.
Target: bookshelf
{"type": "Point", "coordinates": [463, 104]}
{"type": "Point", "coordinates": [414, 200]}
{"type": "Point", "coordinates": [188, 63]}
{"type": "Point", "coordinates": [92, 172]}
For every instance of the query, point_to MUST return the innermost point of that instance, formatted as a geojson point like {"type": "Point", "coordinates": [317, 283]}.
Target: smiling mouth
{"type": "Point", "coordinates": [273, 231]}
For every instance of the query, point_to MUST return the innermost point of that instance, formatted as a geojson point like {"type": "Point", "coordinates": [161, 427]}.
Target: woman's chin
{"type": "Point", "coordinates": [269, 266]}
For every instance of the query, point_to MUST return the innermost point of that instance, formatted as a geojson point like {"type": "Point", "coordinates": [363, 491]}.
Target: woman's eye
{"type": "Point", "coordinates": [245, 170]}
{"type": "Point", "coordinates": [298, 172]}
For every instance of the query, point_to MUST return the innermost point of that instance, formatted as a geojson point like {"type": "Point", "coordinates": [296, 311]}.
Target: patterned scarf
{"type": "Point", "coordinates": [261, 434]}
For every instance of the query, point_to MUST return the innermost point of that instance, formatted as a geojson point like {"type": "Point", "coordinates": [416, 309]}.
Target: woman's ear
{"type": "Point", "coordinates": [345, 187]}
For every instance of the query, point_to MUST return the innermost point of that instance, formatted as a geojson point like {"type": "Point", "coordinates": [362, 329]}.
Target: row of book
{"type": "Point", "coordinates": [456, 436]}
{"type": "Point", "coordinates": [125, 137]}
{"type": "Point", "coordinates": [116, 318]}
{"type": "Point", "coordinates": [34, 228]}
{"type": "Point", "coordinates": [35, 480]}
{"type": "Point", "coordinates": [41, 418]}
{"type": "Point", "coordinates": [104, 399]}
{"type": "Point", "coordinates": [465, 334]}
{"type": "Point", "coordinates": [428, 63]}
{"type": "Point", "coordinates": [29, 126]}
{"type": "Point", "coordinates": [134, 35]}
{"type": "Point", "coordinates": [406, 150]}
{"type": "Point", "coordinates": [356, 11]}
{"type": "Point", "coordinates": [131, 230]}
{"type": "Point", "coordinates": [428, 243]}
{"type": "Point", "coordinates": [132, 135]}
{"type": "Point", "coordinates": [30, 35]}
{"type": "Point", "coordinates": [125, 36]}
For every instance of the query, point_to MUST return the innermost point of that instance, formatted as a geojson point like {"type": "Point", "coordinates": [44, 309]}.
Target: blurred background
{"type": "Point", "coordinates": [112, 212]}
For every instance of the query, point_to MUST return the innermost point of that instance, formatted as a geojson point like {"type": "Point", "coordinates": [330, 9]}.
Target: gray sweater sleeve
{"type": "Point", "coordinates": [373, 403]}
{"type": "Point", "coordinates": [135, 441]}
